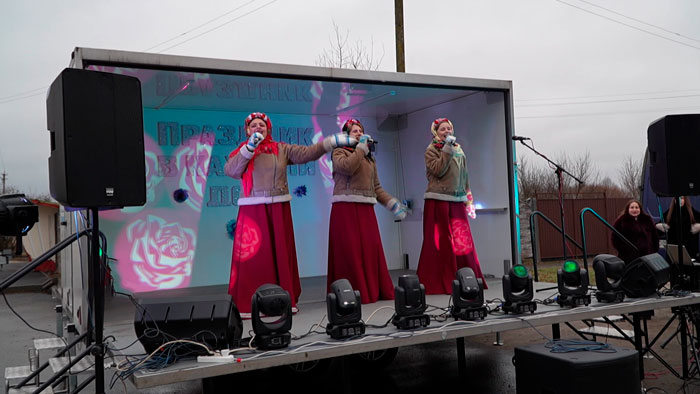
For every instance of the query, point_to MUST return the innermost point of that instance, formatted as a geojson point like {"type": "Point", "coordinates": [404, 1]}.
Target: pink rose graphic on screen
{"type": "Point", "coordinates": [250, 236]}
{"type": "Point", "coordinates": [462, 242]}
{"type": "Point", "coordinates": [161, 255]}
{"type": "Point", "coordinates": [193, 163]}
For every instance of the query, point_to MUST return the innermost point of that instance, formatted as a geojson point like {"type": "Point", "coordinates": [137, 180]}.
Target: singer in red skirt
{"type": "Point", "coordinates": [355, 249]}
{"type": "Point", "coordinates": [263, 244]}
{"type": "Point", "coordinates": [447, 238]}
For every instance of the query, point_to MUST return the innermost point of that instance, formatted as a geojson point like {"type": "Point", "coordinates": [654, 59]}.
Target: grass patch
{"type": "Point", "coordinates": [547, 270]}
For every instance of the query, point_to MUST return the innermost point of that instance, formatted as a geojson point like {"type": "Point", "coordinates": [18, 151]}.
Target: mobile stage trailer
{"type": "Point", "coordinates": [193, 112]}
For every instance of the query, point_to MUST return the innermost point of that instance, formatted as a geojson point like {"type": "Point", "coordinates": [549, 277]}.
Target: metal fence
{"type": "Point", "coordinates": [549, 240]}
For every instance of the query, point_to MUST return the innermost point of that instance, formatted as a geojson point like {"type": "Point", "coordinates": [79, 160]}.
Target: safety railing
{"type": "Point", "coordinates": [535, 256]}
{"type": "Point", "coordinates": [608, 225]}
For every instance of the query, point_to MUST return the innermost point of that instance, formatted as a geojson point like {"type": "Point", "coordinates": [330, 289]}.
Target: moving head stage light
{"type": "Point", "coordinates": [409, 300]}
{"type": "Point", "coordinates": [17, 217]}
{"type": "Point", "coordinates": [645, 275]}
{"type": "Point", "coordinates": [344, 311]}
{"type": "Point", "coordinates": [271, 317]}
{"type": "Point", "coordinates": [518, 290]}
{"type": "Point", "coordinates": [572, 281]}
{"type": "Point", "coordinates": [468, 296]}
{"type": "Point", "coordinates": [608, 278]}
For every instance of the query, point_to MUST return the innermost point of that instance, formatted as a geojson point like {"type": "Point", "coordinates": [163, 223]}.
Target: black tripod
{"type": "Point", "coordinates": [559, 171]}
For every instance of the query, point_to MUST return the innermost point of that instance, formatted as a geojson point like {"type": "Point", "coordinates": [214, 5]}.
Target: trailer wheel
{"type": "Point", "coordinates": [377, 359]}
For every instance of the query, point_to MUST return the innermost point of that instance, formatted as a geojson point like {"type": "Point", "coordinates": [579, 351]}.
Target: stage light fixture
{"type": "Point", "coordinates": [409, 300]}
{"type": "Point", "coordinates": [344, 311]}
{"type": "Point", "coordinates": [608, 278]}
{"type": "Point", "coordinates": [17, 217]}
{"type": "Point", "coordinates": [572, 282]}
{"type": "Point", "coordinates": [518, 290]}
{"type": "Point", "coordinates": [468, 296]}
{"type": "Point", "coordinates": [271, 317]}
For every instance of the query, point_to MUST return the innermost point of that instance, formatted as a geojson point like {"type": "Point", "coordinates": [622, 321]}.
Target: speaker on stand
{"type": "Point", "coordinates": [97, 160]}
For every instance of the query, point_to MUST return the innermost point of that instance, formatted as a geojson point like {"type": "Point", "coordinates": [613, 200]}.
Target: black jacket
{"type": "Point", "coordinates": [690, 240]}
{"type": "Point", "coordinates": [640, 231]}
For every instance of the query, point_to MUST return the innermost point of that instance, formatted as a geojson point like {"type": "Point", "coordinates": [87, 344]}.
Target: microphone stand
{"type": "Point", "coordinates": [559, 171]}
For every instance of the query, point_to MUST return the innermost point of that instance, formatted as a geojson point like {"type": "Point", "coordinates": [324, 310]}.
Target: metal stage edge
{"type": "Point", "coordinates": [321, 346]}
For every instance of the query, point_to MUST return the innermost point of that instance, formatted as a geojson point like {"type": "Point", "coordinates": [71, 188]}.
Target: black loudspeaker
{"type": "Point", "coordinates": [643, 276]}
{"type": "Point", "coordinates": [539, 371]}
{"type": "Point", "coordinates": [162, 316]}
{"type": "Point", "coordinates": [674, 164]}
{"type": "Point", "coordinates": [97, 149]}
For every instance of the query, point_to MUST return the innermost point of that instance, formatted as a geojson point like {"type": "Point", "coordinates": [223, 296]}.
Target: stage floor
{"type": "Point", "coordinates": [119, 318]}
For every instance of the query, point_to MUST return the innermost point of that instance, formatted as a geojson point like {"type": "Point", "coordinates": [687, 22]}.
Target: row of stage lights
{"type": "Point", "coordinates": [344, 306]}
{"type": "Point", "coordinates": [345, 310]}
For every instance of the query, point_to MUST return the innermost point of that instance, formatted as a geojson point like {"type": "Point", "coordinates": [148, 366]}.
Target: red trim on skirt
{"type": "Point", "coordinates": [447, 246]}
{"type": "Point", "coordinates": [355, 251]}
{"type": "Point", "coordinates": [263, 252]}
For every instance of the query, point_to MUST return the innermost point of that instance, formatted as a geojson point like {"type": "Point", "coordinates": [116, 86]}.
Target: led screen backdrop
{"type": "Point", "coordinates": [192, 121]}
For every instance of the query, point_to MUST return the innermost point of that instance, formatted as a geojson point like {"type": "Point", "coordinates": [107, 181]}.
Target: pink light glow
{"type": "Point", "coordinates": [250, 238]}
{"type": "Point", "coordinates": [462, 242]}
{"type": "Point", "coordinates": [436, 237]}
{"type": "Point", "coordinates": [155, 253]}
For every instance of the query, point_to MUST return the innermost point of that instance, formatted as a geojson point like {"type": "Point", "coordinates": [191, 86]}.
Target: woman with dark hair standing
{"type": "Point", "coordinates": [690, 226]}
{"type": "Point", "coordinates": [447, 238]}
{"type": "Point", "coordinates": [264, 250]}
{"type": "Point", "coordinates": [355, 249]}
{"type": "Point", "coordinates": [638, 228]}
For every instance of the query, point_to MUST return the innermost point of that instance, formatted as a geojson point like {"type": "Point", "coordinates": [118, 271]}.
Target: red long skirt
{"type": "Point", "coordinates": [447, 246]}
{"type": "Point", "coordinates": [355, 251]}
{"type": "Point", "coordinates": [263, 252]}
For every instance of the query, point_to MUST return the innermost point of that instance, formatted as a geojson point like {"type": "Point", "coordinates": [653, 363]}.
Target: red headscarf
{"type": "Point", "coordinates": [347, 126]}
{"type": "Point", "coordinates": [433, 129]}
{"type": "Point", "coordinates": [267, 146]}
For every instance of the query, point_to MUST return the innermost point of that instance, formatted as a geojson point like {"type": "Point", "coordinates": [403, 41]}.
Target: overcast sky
{"type": "Point", "coordinates": [586, 78]}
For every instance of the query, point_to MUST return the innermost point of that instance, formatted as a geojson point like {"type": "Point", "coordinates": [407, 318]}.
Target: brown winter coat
{"type": "Point", "coordinates": [356, 180]}
{"type": "Point", "coordinates": [446, 170]}
{"type": "Point", "coordinates": [270, 171]}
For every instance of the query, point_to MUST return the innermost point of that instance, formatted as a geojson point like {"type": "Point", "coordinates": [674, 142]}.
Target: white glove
{"type": "Point", "coordinates": [695, 228]}
{"type": "Point", "coordinates": [471, 211]}
{"type": "Point", "coordinates": [398, 209]}
{"type": "Point", "coordinates": [364, 143]}
{"type": "Point", "coordinates": [450, 140]}
{"type": "Point", "coordinates": [662, 226]}
{"type": "Point", "coordinates": [254, 141]}
{"type": "Point", "coordinates": [338, 141]}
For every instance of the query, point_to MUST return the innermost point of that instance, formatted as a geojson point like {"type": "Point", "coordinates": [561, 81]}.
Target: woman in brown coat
{"type": "Point", "coordinates": [447, 238]}
{"type": "Point", "coordinates": [355, 249]}
{"type": "Point", "coordinates": [263, 244]}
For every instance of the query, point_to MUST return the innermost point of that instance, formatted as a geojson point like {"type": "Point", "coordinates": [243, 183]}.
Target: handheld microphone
{"type": "Point", "coordinates": [519, 138]}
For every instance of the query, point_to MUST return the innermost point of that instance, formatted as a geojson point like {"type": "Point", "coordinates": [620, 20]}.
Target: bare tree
{"type": "Point", "coordinates": [608, 187]}
{"type": "Point", "coordinates": [345, 54]}
{"type": "Point", "coordinates": [9, 189]}
{"type": "Point", "coordinates": [630, 175]}
{"type": "Point", "coordinates": [533, 179]}
{"type": "Point", "coordinates": [543, 180]}
{"type": "Point", "coordinates": [583, 168]}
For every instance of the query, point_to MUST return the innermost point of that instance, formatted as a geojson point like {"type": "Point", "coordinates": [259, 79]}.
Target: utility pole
{"type": "Point", "coordinates": [4, 176]}
{"type": "Point", "coordinates": [398, 20]}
